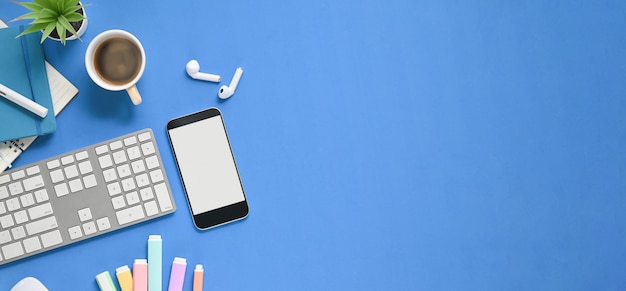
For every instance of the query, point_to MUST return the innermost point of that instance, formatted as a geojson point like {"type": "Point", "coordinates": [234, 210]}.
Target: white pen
{"type": "Point", "coordinates": [20, 100]}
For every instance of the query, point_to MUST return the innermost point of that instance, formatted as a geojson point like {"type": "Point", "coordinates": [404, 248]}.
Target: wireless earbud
{"type": "Point", "coordinates": [227, 91]}
{"type": "Point", "coordinates": [193, 69]}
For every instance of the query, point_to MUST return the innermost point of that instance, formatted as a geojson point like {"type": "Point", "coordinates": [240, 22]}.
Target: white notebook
{"type": "Point", "coordinates": [62, 92]}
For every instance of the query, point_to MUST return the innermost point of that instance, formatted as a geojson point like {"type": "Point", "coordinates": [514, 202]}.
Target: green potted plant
{"type": "Point", "coordinates": [60, 20]}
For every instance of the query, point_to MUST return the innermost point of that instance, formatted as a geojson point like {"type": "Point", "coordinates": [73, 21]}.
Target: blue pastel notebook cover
{"type": "Point", "coordinates": [23, 69]}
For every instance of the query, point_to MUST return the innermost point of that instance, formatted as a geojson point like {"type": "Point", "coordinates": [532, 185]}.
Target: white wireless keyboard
{"type": "Point", "coordinates": [82, 194]}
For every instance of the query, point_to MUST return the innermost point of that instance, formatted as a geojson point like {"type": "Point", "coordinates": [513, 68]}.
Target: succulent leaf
{"type": "Point", "coordinates": [61, 32]}
{"type": "Point", "coordinates": [33, 28]}
{"type": "Point", "coordinates": [74, 17]}
{"type": "Point", "coordinates": [43, 3]}
{"type": "Point", "coordinates": [31, 6]}
{"type": "Point", "coordinates": [30, 15]}
{"type": "Point", "coordinates": [66, 24]}
{"type": "Point", "coordinates": [48, 30]}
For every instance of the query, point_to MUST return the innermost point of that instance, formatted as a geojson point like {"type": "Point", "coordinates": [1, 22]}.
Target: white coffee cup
{"type": "Point", "coordinates": [115, 60]}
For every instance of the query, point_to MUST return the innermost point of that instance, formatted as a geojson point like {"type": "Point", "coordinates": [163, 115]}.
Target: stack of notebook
{"type": "Point", "coordinates": [34, 78]}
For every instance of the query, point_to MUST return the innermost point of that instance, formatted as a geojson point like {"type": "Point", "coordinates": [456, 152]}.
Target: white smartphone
{"type": "Point", "coordinates": [207, 168]}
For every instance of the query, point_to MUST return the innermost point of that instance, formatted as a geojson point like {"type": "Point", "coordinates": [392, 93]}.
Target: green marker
{"type": "Point", "coordinates": [105, 282]}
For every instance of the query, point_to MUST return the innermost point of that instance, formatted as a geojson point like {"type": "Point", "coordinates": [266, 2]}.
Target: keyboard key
{"type": "Point", "coordinates": [3, 210]}
{"type": "Point", "coordinates": [16, 188]}
{"type": "Point", "coordinates": [133, 153]}
{"type": "Point", "coordinates": [42, 225]}
{"type": "Point", "coordinates": [101, 149]}
{"type": "Point", "coordinates": [20, 217]}
{"type": "Point", "coordinates": [144, 136]}
{"type": "Point", "coordinates": [84, 214]}
{"type": "Point", "coordinates": [4, 192]}
{"type": "Point", "coordinates": [67, 160]}
{"type": "Point", "coordinates": [18, 233]}
{"type": "Point", "coordinates": [32, 244]}
{"type": "Point", "coordinates": [5, 237]}
{"type": "Point", "coordinates": [27, 200]}
{"type": "Point", "coordinates": [33, 170]}
{"type": "Point", "coordinates": [109, 175]}
{"type": "Point", "coordinates": [53, 164]}
{"type": "Point", "coordinates": [40, 211]}
{"type": "Point", "coordinates": [71, 171]}
{"type": "Point", "coordinates": [152, 162]}
{"type": "Point", "coordinates": [118, 202]}
{"type": "Point", "coordinates": [151, 208]}
{"type": "Point", "coordinates": [156, 176]}
{"type": "Point", "coordinates": [130, 141]}
{"type": "Point", "coordinates": [85, 167]}
{"type": "Point", "coordinates": [81, 155]}
{"type": "Point", "coordinates": [138, 166]}
{"type": "Point", "coordinates": [6, 221]}
{"type": "Point", "coordinates": [103, 223]}
{"type": "Point", "coordinates": [105, 161]}
{"type": "Point", "coordinates": [12, 250]}
{"type": "Point", "coordinates": [76, 185]}
{"type": "Point", "coordinates": [163, 197]}
{"type": "Point", "coordinates": [13, 204]}
{"type": "Point", "coordinates": [119, 157]}
{"type": "Point", "coordinates": [146, 194]}
{"type": "Point", "coordinates": [51, 238]}
{"type": "Point", "coordinates": [89, 228]}
{"type": "Point", "coordinates": [61, 190]}
{"type": "Point", "coordinates": [147, 148]}
{"type": "Point", "coordinates": [132, 198]}
{"type": "Point", "coordinates": [123, 171]}
{"type": "Point", "coordinates": [90, 181]}
{"type": "Point", "coordinates": [4, 179]}
{"type": "Point", "coordinates": [128, 184]}
{"type": "Point", "coordinates": [18, 175]}
{"type": "Point", "coordinates": [129, 215]}
{"type": "Point", "coordinates": [116, 145]}
{"type": "Point", "coordinates": [75, 232]}
{"type": "Point", "coordinates": [114, 189]}
{"type": "Point", "coordinates": [33, 183]}
{"type": "Point", "coordinates": [57, 176]}
{"type": "Point", "coordinates": [41, 195]}
{"type": "Point", "coordinates": [142, 180]}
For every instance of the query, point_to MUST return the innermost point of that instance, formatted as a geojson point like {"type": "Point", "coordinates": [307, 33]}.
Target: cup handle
{"type": "Point", "coordinates": [134, 94]}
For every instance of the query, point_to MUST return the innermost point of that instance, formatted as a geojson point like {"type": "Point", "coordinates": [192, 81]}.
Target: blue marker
{"type": "Point", "coordinates": [155, 263]}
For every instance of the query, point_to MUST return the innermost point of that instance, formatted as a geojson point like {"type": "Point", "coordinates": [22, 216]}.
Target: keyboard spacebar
{"type": "Point", "coordinates": [42, 225]}
{"type": "Point", "coordinates": [129, 214]}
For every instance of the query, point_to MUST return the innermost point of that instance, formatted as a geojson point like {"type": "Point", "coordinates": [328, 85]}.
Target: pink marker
{"type": "Point", "coordinates": [140, 275]}
{"type": "Point", "coordinates": [177, 277]}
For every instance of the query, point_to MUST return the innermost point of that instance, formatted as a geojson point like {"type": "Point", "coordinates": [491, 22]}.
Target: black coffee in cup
{"type": "Point", "coordinates": [117, 61]}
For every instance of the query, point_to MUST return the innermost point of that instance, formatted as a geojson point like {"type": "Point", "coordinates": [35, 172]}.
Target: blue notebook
{"type": "Point", "coordinates": [23, 69]}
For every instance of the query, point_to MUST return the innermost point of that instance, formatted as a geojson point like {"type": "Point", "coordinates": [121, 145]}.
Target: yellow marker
{"type": "Point", "coordinates": [125, 278]}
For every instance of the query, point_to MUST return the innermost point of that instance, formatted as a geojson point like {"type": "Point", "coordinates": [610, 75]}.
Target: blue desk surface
{"type": "Point", "coordinates": [383, 145]}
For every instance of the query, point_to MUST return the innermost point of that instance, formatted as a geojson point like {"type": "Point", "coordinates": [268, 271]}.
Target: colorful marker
{"type": "Point", "coordinates": [198, 277]}
{"type": "Point", "coordinates": [155, 263]}
{"type": "Point", "coordinates": [177, 276]}
{"type": "Point", "coordinates": [125, 278]}
{"type": "Point", "coordinates": [105, 282]}
{"type": "Point", "coordinates": [140, 275]}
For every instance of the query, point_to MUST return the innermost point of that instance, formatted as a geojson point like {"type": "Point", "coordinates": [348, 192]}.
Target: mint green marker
{"type": "Point", "coordinates": [105, 282]}
{"type": "Point", "coordinates": [155, 263]}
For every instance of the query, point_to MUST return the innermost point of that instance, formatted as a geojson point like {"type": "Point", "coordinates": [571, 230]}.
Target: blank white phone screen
{"type": "Point", "coordinates": [206, 165]}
